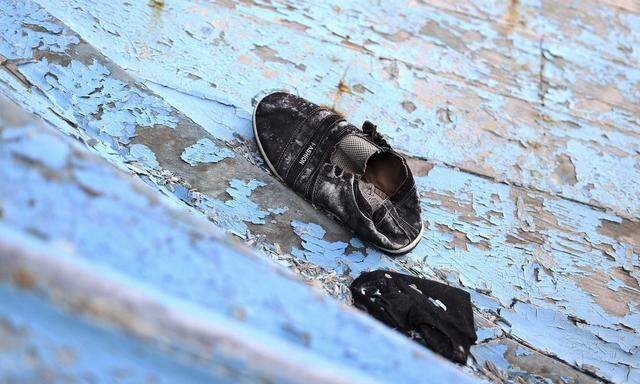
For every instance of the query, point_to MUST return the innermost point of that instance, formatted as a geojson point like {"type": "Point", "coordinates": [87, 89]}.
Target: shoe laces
{"type": "Point", "coordinates": [371, 130]}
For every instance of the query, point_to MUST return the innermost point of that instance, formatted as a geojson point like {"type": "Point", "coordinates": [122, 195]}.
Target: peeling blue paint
{"type": "Point", "coordinates": [492, 352]}
{"type": "Point", "coordinates": [37, 148]}
{"type": "Point", "coordinates": [144, 155]}
{"type": "Point", "coordinates": [315, 249]}
{"type": "Point", "coordinates": [463, 97]}
{"type": "Point", "coordinates": [233, 214]}
{"type": "Point", "coordinates": [486, 334]}
{"type": "Point", "coordinates": [478, 231]}
{"type": "Point", "coordinates": [497, 359]}
{"type": "Point", "coordinates": [221, 120]}
{"type": "Point", "coordinates": [51, 346]}
{"type": "Point", "coordinates": [182, 193]}
{"type": "Point", "coordinates": [24, 26]}
{"type": "Point", "coordinates": [88, 96]}
{"type": "Point", "coordinates": [528, 271]}
{"type": "Point", "coordinates": [205, 151]}
{"type": "Point", "coordinates": [552, 331]}
{"type": "Point", "coordinates": [334, 255]}
{"type": "Point", "coordinates": [121, 228]}
{"type": "Point", "coordinates": [522, 352]}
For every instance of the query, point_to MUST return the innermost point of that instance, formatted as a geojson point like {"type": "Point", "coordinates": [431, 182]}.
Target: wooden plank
{"type": "Point", "coordinates": [540, 64]}
{"type": "Point", "coordinates": [605, 29]}
{"type": "Point", "coordinates": [587, 65]}
{"type": "Point", "coordinates": [39, 343]}
{"type": "Point", "coordinates": [629, 5]}
{"type": "Point", "coordinates": [505, 361]}
{"type": "Point", "coordinates": [537, 261]}
{"type": "Point", "coordinates": [502, 359]}
{"type": "Point", "coordinates": [428, 114]}
{"type": "Point", "coordinates": [585, 7]}
{"type": "Point", "coordinates": [544, 259]}
{"type": "Point", "coordinates": [85, 246]}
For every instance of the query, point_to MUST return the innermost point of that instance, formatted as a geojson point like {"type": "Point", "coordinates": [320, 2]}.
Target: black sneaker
{"type": "Point", "coordinates": [352, 174]}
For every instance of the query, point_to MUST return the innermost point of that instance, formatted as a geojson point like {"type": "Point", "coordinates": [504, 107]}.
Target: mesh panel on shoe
{"type": "Point", "coordinates": [352, 154]}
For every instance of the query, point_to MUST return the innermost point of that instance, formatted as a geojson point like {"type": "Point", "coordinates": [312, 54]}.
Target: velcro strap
{"type": "Point", "coordinates": [312, 145]}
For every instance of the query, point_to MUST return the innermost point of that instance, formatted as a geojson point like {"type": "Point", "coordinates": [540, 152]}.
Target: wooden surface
{"type": "Point", "coordinates": [105, 279]}
{"type": "Point", "coordinates": [520, 117]}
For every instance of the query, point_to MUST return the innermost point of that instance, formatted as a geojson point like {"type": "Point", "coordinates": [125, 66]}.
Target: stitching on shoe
{"type": "Point", "coordinates": [298, 125]}
{"type": "Point", "coordinates": [389, 213]}
{"type": "Point", "coordinates": [395, 219]}
{"type": "Point", "coordinates": [411, 229]}
{"type": "Point", "coordinates": [323, 159]}
{"type": "Point", "coordinates": [364, 201]}
{"type": "Point", "coordinates": [399, 203]}
{"type": "Point", "coordinates": [386, 212]}
{"type": "Point", "coordinates": [318, 136]}
{"type": "Point", "coordinates": [409, 193]}
{"type": "Point", "coordinates": [355, 200]}
{"type": "Point", "coordinates": [314, 193]}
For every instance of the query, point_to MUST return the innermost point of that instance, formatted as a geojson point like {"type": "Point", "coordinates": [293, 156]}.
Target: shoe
{"type": "Point", "coordinates": [352, 174]}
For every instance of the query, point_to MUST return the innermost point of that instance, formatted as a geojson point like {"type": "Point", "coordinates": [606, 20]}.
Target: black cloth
{"type": "Point", "coordinates": [434, 314]}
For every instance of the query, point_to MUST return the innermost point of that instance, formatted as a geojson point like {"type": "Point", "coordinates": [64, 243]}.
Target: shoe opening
{"type": "Point", "coordinates": [381, 173]}
{"type": "Point", "coordinates": [386, 171]}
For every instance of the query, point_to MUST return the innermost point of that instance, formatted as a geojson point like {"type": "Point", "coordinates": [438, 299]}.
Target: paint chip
{"type": "Point", "coordinates": [205, 151]}
{"type": "Point", "coordinates": [437, 303]}
{"type": "Point", "coordinates": [143, 154]}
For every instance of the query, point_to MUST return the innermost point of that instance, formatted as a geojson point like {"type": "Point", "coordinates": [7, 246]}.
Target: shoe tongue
{"type": "Point", "coordinates": [352, 152]}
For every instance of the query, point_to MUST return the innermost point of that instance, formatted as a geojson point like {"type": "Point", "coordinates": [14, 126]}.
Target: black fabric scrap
{"type": "Point", "coordinates": [434, 314]}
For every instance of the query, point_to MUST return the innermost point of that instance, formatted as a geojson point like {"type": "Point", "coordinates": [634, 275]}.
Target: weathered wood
{"type": "Point", "coordinates": [504, 361]}
{"type": "Point", "coordinates": [540, 64]}
{"type": "Point", "coordinates": [604, 29]}
{"type": "Point", "coordinates": [39, 343]}
{"type": "Point", "coordinates": [98, 243]}
{"type": "Point", "coordinates": [455, 107]}
{"type": "Point", "coordinates": [537, 262]}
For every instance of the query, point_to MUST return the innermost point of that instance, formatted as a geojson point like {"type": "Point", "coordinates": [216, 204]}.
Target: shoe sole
{"type": "Point", "coordinates": [402, 250]}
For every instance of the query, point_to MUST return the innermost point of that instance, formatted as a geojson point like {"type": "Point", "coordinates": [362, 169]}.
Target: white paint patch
{"type": "Point", "coordinates": [437, 303]}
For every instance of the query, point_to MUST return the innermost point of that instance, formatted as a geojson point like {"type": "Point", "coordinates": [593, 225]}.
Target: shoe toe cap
{"type": "Point", "coordinates": [272, 121]}
{"type": "Point", "coordinates": [401, 226]}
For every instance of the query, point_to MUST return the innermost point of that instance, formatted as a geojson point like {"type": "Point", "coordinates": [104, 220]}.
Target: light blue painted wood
{"type": "Point", "coordinates": [94, 241]}
{"type": "Point", "coordinates": [462, 91]}
{"type": "Point", "coordinates": [506, 245]}
{"type": "Point", "coordinates": [43, 344]}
